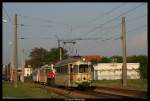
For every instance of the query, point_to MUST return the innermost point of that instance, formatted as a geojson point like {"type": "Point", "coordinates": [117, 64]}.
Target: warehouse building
{"type": "Point", "coordinates": [113, 71]}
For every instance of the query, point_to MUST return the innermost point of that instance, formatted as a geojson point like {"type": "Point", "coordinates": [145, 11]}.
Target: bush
{"type": "Point", "coordinates": [84, 85]}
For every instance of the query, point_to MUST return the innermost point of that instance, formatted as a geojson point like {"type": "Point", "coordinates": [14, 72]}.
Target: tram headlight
{"type": "Point", "coordinates": [84, 78]}
{"type": "Point", "coordinates": [79, 79]}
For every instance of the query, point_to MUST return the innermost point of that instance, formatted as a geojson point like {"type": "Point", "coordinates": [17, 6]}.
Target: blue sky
{"type": "Point", "coordinates": [50, 19]}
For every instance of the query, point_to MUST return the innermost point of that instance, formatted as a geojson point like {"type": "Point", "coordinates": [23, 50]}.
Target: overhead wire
{"type": "Point", "coordinates": [50, 21]}
{"type": "Point", "coordinates": [117, 16]}
{"type": "Point", "coordinates": [132, 30]}
{"type": "Point", "coordinates": [44, 20]}
{"type": "Point", "coordinates": [137, 28]}
{"type": "Point", "coordinates": [101, 25]}
{"type": "Point", "coordinates": [116, 26]}
{"type": "Point", "coordinates": [35, 38]}
{"type": "Point", "coordinates": [116, 38]}
{"type": "Point", "coordinates": [110, 11]}
{"type": "Point", "coordinates": [137, 17]}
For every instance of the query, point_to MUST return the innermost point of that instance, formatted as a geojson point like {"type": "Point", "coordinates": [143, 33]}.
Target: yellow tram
{"type": "Point", "coordinates": [72, 72]}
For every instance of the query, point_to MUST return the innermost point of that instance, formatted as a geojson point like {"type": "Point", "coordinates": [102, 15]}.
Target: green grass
{"type": "Point", "coordinates": [131, 84]}
{"type": "Point", "coordinates": [27, 90]}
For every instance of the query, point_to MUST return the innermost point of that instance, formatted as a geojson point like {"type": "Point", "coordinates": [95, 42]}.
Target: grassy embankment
{"type": "Point", "coordinates": [131, 84]}
{"type": "Point", "coordinates": [27, 90]}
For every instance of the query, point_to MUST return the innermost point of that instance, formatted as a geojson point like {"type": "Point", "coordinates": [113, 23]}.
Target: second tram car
{"type": "Point", "coordinates": [40, 75]}
{"type": "Point", "coordinates": [72, 72]}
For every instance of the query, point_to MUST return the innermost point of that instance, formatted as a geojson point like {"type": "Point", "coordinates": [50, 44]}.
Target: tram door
{"type": "Point", "coordinates": [71, 74]}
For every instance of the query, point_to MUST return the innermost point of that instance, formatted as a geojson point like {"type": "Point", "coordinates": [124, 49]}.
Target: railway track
{"type": "Point", "coordinates": [85, 94]}
{"type": "Point", "coordinates": [122, 92]}
{"type": "Point", "coordinates": [96, 93]}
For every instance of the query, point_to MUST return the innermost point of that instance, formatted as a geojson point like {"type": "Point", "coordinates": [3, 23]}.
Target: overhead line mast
{"type": "Point", "coordinates": [124, 66]}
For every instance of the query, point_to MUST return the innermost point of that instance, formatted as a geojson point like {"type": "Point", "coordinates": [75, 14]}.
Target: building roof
{"type": "Point", "coordinates": [109, 66]}
{"type": "Point", "coordinates": [93, 57]}
{"type": "Point", "coordinates": [69, 60]}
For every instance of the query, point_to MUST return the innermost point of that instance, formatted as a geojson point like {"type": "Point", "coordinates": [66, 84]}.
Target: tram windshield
{"type": "Point", "coordinates": [83, 68]}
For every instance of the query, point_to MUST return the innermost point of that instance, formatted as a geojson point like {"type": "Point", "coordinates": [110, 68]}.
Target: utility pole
{"type": "Point", "coordinates": [124, 66]}
{"type": "Point", "coordinates": [15, 59]}
{"type": "Point", "coordinates": [22, 73]}
{"type": "Point", "coordinates": [60, 51]}
{"type": "Point", "coordinates": [11, 63]}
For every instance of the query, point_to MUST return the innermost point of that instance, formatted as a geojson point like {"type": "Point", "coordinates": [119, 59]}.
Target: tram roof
{"type": "Point", "coordinates": [66, 61]}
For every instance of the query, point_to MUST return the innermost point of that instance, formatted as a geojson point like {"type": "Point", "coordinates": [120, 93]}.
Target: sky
{"type": "Point", "coordinates": [44, 23]}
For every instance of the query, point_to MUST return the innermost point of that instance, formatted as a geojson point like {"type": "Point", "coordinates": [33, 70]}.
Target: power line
{"type": "Point", "coordinates": [50, 21]}
{"type": "Point", "coordinates": [137, 17]}
{"type": "Point", "coordinates": [44, 20]}
{"type": "Point", "coordinates": [117, 36]}
{"type": "Point", "coordinates": [137, 28]}
{"type": "Point", "coordinates": [130, 10]}
{"type": "Point", "coordinates": [43, 26]}
{"type": "Point", "coordinates": [132, 30]}
{"type": "Point", "coordinates": [130, 20]}
{"type": "Point", "coordinates": [110, 11]}
{"type": "Point", "coordinates": [35, 38]}
{"type": "Point", "coordinates": [110, 27]}
{"type": "Point", "coordinates": [7, 15]}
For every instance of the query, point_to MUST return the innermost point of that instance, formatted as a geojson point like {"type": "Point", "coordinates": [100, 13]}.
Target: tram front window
{"type": "Point", "coordinates": [83, 68]}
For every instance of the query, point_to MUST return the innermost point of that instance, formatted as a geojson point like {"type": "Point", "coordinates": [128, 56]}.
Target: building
{"type": "Point", "coordinates": [113, 71]}
{"type": "Point", "coordinates": [92, 57]}
{"type": "Point", "coordinates": [27, 71]}
{"type": "Point", "coordinates": [27, 68]}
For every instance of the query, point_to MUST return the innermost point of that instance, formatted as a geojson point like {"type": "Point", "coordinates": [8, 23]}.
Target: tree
{"type": "Point", "coordinates": [38, 57]}
{"type": "Point", "coordinates": [143, 60]}
{"type": "Point", "coordinates": [54, 55]}
{"type": "Point", "coordinates": [118, 59]}
{"type": "Point", "coordinates": [105, 60]}
{"type": "Point", "coordinates": [94, 62]}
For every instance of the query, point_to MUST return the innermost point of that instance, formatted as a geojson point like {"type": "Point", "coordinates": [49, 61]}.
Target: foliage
{"type": "Point", "coordinates": [94, 62]}
{"type": "Point", "coordinates": [41, 56]}
{"type": "Point", "coordinates": [143, 60]}
{"type": "Point", "coordinates": [105, 60]}
{"type": "Point", "coordinates": [29, 77]}
{"type": "Point", "coordinates": [38, 57]}
{"type": "Point", "coordinates": [84, 85]}
{"type": "Point", "coordinates": [53, 55]}
{"type": "Point", "coordinates": [118, 59]}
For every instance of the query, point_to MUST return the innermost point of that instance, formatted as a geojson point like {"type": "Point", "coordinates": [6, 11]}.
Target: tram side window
{"type": "Point", "coordinates": [83, 68]}
{"type": "Point", "coordinates": [64, 70]}
{"type": "Point", "coordinates": [75, 69]}
{"type": "Point", "coordinates": [58, 69]}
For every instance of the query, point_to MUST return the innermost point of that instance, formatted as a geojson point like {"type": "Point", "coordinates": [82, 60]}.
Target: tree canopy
{"type": "Point", "coordinates": [41, 56]}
